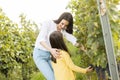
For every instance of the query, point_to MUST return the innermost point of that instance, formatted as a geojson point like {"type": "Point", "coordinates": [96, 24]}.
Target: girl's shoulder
{"type": "Point", "coordinates": [63, 52]}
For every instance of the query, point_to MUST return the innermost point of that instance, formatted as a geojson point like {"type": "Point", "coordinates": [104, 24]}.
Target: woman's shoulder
{"type": "Point", "coordinates": [48, 21]}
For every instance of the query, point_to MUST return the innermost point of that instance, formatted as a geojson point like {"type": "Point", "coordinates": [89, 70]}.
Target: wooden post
{"type": "Point", "coordinates": [108, 39]}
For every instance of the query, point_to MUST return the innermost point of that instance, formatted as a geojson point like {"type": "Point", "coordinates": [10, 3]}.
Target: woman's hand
{"type": "Point", "coordinates": [77, 44]}
{"type": "Point", "coordinates": [83, 48]}
{"type": "Point", "coordinates": [55, 53]}
{"type": "Point", "coordinates": [80, 46]}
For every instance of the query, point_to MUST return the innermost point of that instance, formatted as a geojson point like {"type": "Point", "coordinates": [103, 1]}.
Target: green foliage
{"type": "Point", "coordinates": [16, 48]}
{"type": "Point", "coordinates": [7, 30]}
{"type": "Point", "coordinates": [88, 28]}
{"type": "Point", "coordinates": [37, 76]}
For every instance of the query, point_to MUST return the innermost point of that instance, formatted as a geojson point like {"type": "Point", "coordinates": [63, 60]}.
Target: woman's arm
{"type": "Point", "coordinates": [53, 51]}
{"type": "Point", "coordinates": [70, 38]}
{"type": "Point", "coordinates": [42, 37]}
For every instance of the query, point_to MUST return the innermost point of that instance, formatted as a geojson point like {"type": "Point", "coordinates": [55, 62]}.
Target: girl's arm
{"type": "Point", "coordinates": [74, 67]}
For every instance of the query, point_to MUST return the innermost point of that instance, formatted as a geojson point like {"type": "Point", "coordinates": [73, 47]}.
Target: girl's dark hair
{"type": "Point", "coordinates": [57, 41]}
{"type": "Point", "coordinates": [67, 16]}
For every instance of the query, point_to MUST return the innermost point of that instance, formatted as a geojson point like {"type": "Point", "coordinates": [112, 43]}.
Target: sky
{"type": "Point", "coordinates": [36, 10]}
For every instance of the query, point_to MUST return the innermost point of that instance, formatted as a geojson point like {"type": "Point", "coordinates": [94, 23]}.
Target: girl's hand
{"type": "Point", "coordinates": [89, 69]}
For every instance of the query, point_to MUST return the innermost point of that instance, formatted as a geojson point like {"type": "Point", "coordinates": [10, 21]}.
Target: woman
{"type": "Point", "coordinates": [43, 50]}
{"type": "Point", "coordinates": [63, 67]}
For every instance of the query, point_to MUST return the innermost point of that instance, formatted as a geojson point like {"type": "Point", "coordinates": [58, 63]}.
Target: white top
{"type": "Point", "coordinates": [46, 29]}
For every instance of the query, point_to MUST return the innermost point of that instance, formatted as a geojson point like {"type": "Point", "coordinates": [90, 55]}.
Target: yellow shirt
{"type": "Point", "coordinates": [64, 68]}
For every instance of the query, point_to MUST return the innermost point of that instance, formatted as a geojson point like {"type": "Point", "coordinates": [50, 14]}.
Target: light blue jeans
{"type": "Point", "coordinates": [43, 62]}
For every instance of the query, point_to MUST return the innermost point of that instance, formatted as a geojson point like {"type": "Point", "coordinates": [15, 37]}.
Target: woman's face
{"type": "Point", "coordinates": [62, 25]}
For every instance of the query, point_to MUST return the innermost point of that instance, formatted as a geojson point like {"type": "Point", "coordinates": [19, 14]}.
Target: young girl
{"type": "Point", "coordinates": [63, 67]}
